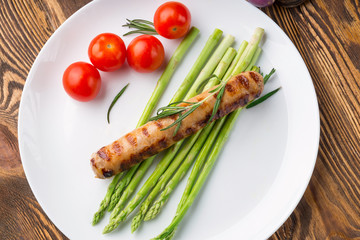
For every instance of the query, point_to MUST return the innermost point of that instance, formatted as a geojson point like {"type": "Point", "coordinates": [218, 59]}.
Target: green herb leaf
{"type": "Point", "coordinates": [143, 21]}
{"type": "Point", "coordinates": [185, 111]}
{"type": "Point", "coordinates": [263, 98]}
{"type": "Point", "coordinates": [182, 117]}
{"type": "Point", "coordinates": [216, 89]}
{"type": "Point", "coordinates": [178, 126]}
{"type": "Point", "coordinates": [217, 103]}
{"type": "Point", "coordinates": [141, 26]}
{"type": "Point", "coordinates": [267, 76]}
{"type": "Point", "coordinates": [171, 110]}
{"type": "Point", "coordinates": [166, 113]}
{"type": "Point", "coordinates": [139, 32]}
{"type": "Point", "coordinates": [115, 100]}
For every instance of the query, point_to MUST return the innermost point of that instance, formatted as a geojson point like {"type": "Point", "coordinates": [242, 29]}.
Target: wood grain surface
{"type": "Point", "coordinates": [327, 35]}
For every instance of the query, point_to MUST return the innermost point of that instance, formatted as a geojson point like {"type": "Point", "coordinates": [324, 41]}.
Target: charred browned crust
{"type": "Point", "coordinates": [117, 148]}
{"type": "Point", "coordinates": [145, 131]}
{"type": "Point", "coordinates": [149, 140]}
{"type": "Point", "coordinates": [103, 153]}
{"type": "Point", "coordinates": [131, 138]}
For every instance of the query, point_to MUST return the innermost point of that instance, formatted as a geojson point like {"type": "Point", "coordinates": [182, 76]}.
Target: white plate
{"type": "Point", "coordinates": [257, 181]}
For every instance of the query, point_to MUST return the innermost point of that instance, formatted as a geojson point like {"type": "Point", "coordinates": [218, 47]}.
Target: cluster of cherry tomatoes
{"type": "Point", "coordinates": [107, 52]}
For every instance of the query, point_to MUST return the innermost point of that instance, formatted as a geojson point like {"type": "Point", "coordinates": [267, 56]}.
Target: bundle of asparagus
{"type": "Point", "coordinates": [224, 62]}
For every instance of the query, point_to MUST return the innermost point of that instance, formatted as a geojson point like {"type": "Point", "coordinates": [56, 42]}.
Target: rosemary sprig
{"type": "Point", "coordinates": [218, 101]}
{"type": "Point", "coordinates": [253, 103]}
{"type": "Point", "coordinates": [115, 100]}
{"type": "Point", "coordinates": [142, 26]}
{"type": "Point", "coordinates": [184, 111]}
{"type": "Point", "coordinates": [182, 117]}
{"type": "Point", "coordinates": [170, 110]}
{"type": "Point", "coordinates": [263, 98]}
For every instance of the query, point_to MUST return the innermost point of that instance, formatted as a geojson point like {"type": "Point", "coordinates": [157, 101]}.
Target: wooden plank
{"type": "Point", "coordinates": [327, 35]}
{"type": "Point", "coordinates": [25, 26]}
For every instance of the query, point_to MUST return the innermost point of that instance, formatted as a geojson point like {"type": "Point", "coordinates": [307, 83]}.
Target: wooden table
{"type": "Point", "coordinates": [327, 34]}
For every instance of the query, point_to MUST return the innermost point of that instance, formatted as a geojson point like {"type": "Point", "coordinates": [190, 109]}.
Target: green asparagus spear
{"type": "Point", "coordinates": [223, 135]}
{"type": "Point", "coordinates": [228, 122]}
{"type": "Point", "coordinates": [105, 202]}
{"type": "Point", "coordinates": [168, 72]}
{"type": "Point", "coordinates": [120, 188]}
{"type": "Point", "coordinates": [188, 81]}
{"type": "Point", "coordinates": [219, 71]}
{"type": "Point", "coordinates": [198, 65]}
{"type": "Point", "coordinates": [158, 204]}
{"type": "Point", "coordinates": [141, 168]}
{"type": "Point", "coordinates": [240, 54]}
{"type": "Point", "coordinates": [180, 93]}
{"type": "Point", "coordinates": [117, 217]}
{"type": "Point", "coordinates": [250, 51]}
{"type": "Point", "coordinates": [159, 185]}
{"type": "Point", "coordinates": [211, 64]}
{"type": "Point", "coordinates": [198, 163]}
{"type": "Point", "coordinates": [158, 91]}
{"type": "Point", "coordinates": [254, 59]}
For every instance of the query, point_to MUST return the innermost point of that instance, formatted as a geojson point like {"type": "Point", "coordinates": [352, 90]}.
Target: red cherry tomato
{"type": "Point", "coordinates": [82, 81]}
{"type": "Point", "coordinates": [145, 53]}
{"type": "Point", "coordinates": [172, 20]}
{"type": "Point", "coordinates": [107, 52]}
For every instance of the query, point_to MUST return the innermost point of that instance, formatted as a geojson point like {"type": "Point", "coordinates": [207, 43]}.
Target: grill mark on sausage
{"type": "Point", "coordinates": [145, 153]}
{"type": "Point", "coordinates": [118, 149]}
{"type": "Point", "coordinates": [125, 165]}
{"type": "Point", "coordinates": [131, 139]}
{"type": "Point", "coordinates": [137, 158]}
{"type": "Point", "coordinates": [204, 104]}
{"type": "Point", "coordinates": [200, 98]}
{"type": "Point", "coordinates": [246, 99]}
{"type": "Point", "coordinates": [189, 131]}
{"type": "Point", "coordinates": [241, 79]}
{"type": "Point", "coordinates": [163, 143]}
{"type": "Point", "coordinates": [228, 108]}
{"type": "Point", "coordinates": [93, 162]}
{"type": "Point", "coordinates": [134, 158]}
{"type": "Point", "coordinates": [102, 153]}
{"type": "Point", "coordinates": [204, 121]}
{"type": "Point", "coordinates": [178, 136]}
{"type": "Point", "coordinates": [173, 117]}
{"type": "Point", "coordinates": [230, 89]}
{"type": "Point", "coordinates": [240, 89]}
{"type": "Point", "coordinates": [148, 151]}
{"type": "Point", "coordinates": [254, 76]}
{"type": "Point", "coordinates": [145, 131]}
{"type": "Point", "coordinates": [240, 102]}
{"type": "Point", "coordinates": [158, 124]}
{"type": "Point", "coordinates": [107, 173]}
